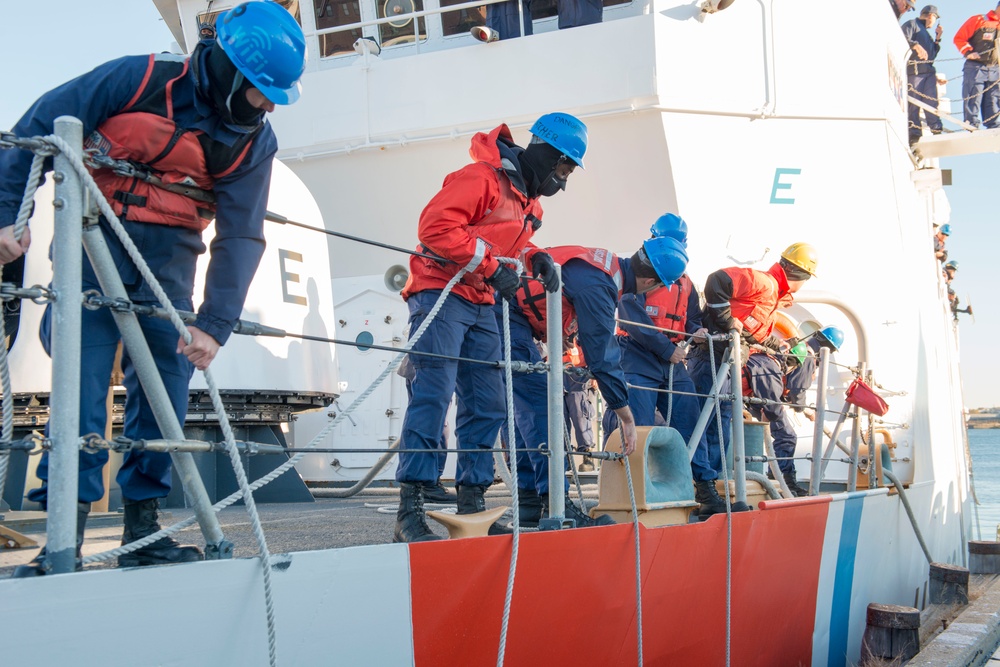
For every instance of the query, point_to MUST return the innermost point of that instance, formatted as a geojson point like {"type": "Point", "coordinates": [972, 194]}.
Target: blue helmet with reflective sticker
{"type": "Point", "coordinates": [830, 337]}
{"type": "Point", "coordinates": [564, 132]}
{"type": "Point", "coordinates": [670, 224]}
{"type": "Point", "coordinates": [945, 229]}
{"type": "Point", "coordinates": [266, 45]}
{"type": "Point", "coordinates": [667, 256]}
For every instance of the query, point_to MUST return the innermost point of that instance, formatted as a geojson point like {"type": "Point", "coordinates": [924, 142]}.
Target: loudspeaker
{"type": "Point", "coordinates": [396, 277]}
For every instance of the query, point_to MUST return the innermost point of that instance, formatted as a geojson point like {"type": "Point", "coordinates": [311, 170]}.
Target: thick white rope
{"type": "Point", "coordinates": [516, 537]}
{"type": "Point", "coordinates": [734, 384]}
{"type": "Point", "coordinates": [7, 404]}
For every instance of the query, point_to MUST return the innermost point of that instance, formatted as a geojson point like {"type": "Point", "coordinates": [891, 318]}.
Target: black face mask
{"type": "Point", "coordinates": [551, 185]}
{"type": "Point", "coordinates": [538, 166]}
{"type": "Point", "coordinates": [227, 90]}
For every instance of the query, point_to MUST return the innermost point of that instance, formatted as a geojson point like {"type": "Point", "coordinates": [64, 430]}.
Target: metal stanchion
{"type": "Point", "coordinates": [156, 394]}
{"type": "Point", "coordinates": [64, 424]}
{"type": "Point", "coordinates": [706, 410]}
{"type": "Point", "coordinates": [739, 448]}
{"type": "Point", "coordinates": [873, 480]}
{"type": "Point", "coordinates": [816, 475]}
{"type": "Point", "coordinates": [852, 473]}
{"type": "Point", "coordinates": [557, 456]}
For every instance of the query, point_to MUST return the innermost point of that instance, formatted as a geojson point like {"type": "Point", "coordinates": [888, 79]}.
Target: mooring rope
{"type": "Point", "coordinates": [7, 401]}
{"type": "Point", "coordinates": [516, 537]}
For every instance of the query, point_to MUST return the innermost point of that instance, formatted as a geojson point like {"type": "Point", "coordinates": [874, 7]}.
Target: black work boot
{"type": "Point", "coordinates": [472, 499]}
{"type": "Point", "coordinates": [707, 495]}
{"type": "Point", "coordinates": [529, 508]}
{"type": "Point", "coordinates": [793, 485]}
{"type": "Point", "coordinates": [573, 512]}
{"type": "Point", "coordinates": [438, 493]}
{"type": "Point", "coordinates": [142, 520]}
{"type": "Point", "coordinates": [411, 524]}
{"type": "Point", "coordinates": [38, 565]}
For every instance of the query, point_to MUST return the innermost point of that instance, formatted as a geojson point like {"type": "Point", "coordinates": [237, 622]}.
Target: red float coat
{"type": "Point", "coordinates": [979, 34]}
{"type": "Point", "coordinates": [477, 208]}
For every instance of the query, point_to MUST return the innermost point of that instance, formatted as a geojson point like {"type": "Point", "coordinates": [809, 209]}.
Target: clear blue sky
{"type": "Point", "coordinates": [99, 30]}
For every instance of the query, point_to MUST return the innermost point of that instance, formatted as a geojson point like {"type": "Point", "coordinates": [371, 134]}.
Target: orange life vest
{"type": "Point", "coordinates": [531, 295]}
{"type": "Point", "coordinates": [757, 295]}
{"type": "Point", "coordinates": [667, 307]}
{"type": "Point", "coordinates": [144, 133]}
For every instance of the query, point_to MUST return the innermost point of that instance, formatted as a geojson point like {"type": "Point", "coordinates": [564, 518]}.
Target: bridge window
{"type": "Point", "coordinates": [401, 31]}
{"type": "Point", "coordinates": [209, 18]}
{"type": "Point", "coordinates": [333, 13]}
{"type": "Point", "coordinates": [462, 21]}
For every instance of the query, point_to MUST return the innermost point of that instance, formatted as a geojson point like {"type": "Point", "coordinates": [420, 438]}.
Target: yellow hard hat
{"type": "Point", "coordinates": [802, 255]}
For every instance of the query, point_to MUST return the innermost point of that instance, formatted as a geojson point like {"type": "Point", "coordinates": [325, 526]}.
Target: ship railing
{"type": "Point", "coordinates": [79, 205]}
{"type": "Point", "coordinates": [824, 440]}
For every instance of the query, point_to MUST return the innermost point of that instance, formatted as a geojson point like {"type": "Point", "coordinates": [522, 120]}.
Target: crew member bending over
{"type": "Point", "coordinates": [197, 120]}
{"type": "Point", "coordinates": [745, 300]}
{"type": "Point", "coordinates": [594, 280]}
{"type": "Point", "coordinates": [485, 210]}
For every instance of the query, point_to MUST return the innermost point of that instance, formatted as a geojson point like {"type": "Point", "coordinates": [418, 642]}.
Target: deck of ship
{"type": "Point", "coordinates": [367, 518]}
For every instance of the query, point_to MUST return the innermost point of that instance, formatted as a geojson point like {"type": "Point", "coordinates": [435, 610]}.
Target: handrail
{"type": "Point", "coordinates": [401, 17]}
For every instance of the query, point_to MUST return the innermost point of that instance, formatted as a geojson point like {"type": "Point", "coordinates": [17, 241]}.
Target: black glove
{"type": "Point", "coordinates": [505, 281]}
{"type": "Point", "coordinates": [544, 268]}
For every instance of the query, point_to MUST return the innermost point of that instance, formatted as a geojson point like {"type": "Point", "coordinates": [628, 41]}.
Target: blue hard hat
{"type": "Point", "coordinates": [670, 224]}
{"type": "Point", "coordinates": [951, 265]}
{"type": "Point", "coordinates": [667, 256]}
{"type": "Point", "coordinates": [564, 132]}
{"type": "Point", "coordinates": [830, 337]}
{"type": "Point", "coordinates": [945, 229]}
{"type": "Point", "coordinates": [266, 45]}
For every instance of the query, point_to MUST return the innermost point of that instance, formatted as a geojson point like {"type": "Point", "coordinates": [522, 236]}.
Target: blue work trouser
{"type": "Point", "coordinates": [766, 381]}
{"type": "Point", "coordinates": [442, 456]}
{"type": "Point", "coordinates": [531, 407]}
{"type": "Point", "coordinates": [981, 87]}
{"type": "Point", "coordinates": [699, 366]}
{"type": "Point", "coordinates": [143, 475]}
{"type": "Point", "coordinates": [465, 329]}
{"type": "Point", "coordinates": [923, 87]}
{"type": "Point", "coordinates": [503, 17]}
{"type": "Point", "coordinates": [578, 415]}
{"type": "Point", "coordinates": [683, 416]}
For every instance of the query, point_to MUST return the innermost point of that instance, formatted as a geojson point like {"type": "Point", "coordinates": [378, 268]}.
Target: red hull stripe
{"type": "Point", "coordinates": [584, 582]}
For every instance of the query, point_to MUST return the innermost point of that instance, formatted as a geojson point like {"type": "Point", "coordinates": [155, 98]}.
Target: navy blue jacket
{"type": "Point", "coordinates": [171, 252]}
{"type": "Point", "coordinates": [646, 352]}
{"type": "Point", "coordinates": [594, 296]}
{"type": "Point", "coordinates": [916, 32]}
{"type": "Point", "coordinates": [801, 379]}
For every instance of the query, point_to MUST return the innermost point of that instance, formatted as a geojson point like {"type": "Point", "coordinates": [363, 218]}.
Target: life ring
{"type": "Point", "coordinates": [784, 326]}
